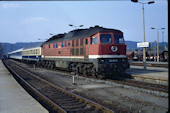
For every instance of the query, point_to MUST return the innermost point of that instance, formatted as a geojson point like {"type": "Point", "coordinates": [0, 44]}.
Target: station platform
{"type": "Point", "coordinates": [13, 98]}
{"type": "Point", "coordinates": [152, 72]}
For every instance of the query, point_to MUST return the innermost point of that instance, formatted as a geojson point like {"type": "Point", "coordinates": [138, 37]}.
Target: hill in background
{"type": "Point", "coordinates": [8, 47]}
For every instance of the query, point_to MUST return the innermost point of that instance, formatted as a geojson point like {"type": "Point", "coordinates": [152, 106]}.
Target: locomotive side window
{"type": "Point", "coordinates": [81, 42]}
{"type": "Point", "coordinates": [68, 43]}
{"type": "Point", "coordinates": [65, 44]}
{"type": "Point", "coordinates": [105, 38]}
{"type": "Point", "coordinates": [77, 42]}
{"type": "Point", "coordinates": [62, 44]}
{"type": "Point", "coordinates": [72, 51]}
{"type": "Point", "coordinates": [81, 51]}
{"type": "Point", "coordinates": [94, 40]}
{"type": "Point", "coordinates": [119, 39]}
{"type": "Point", "coordinates": [77, 51]}
{"type": "Point", "coordinates": [86, 41]}
{"type": "Point", "coordinates": [72, 43]}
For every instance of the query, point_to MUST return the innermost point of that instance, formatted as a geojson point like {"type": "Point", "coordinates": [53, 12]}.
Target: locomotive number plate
{"type": "Point", "coordinates": [113, 60]}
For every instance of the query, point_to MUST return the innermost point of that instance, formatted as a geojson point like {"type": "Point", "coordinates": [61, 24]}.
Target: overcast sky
{"type": "Point", "coordinates": [28, 21]}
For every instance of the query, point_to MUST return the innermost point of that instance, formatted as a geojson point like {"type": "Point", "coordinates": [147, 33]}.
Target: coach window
{"type": "Point", "coordinates": [94, 40]}
{"type": "Point", "coordinates": [86, 41]}
{"type": "Point", "coordinates": [105, 38]}
{"type": "Point", "coordinates": [56, 46]}
{"type": "Point", "coordinates": [53, 45]}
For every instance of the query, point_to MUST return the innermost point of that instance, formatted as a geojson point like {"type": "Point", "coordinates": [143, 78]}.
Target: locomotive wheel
{"type": "Point", "coordinates": [52, 65]}
{"type": "Point", "coordinates": [94, 72]}
{"type": "Point", "coordinates": [77, 70]}
{"type": "Point", "coordinates": [72, 67]}
{"type": "Point", "coordinates": [85, 70]}
{"type": "Point", "coordinates": [120, 69]}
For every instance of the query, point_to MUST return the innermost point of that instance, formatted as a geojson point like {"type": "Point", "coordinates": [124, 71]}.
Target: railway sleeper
{"type": "Point", "coordinates": [70, 103]}
{"type": "Point", "coordinates": [66, 99]}
{"type": "Point", "coordinates": [80, 106]}
{"type": "Point", "coordinates": [62, 96]}
{"type": "Point", "coordinates": [87, 109]}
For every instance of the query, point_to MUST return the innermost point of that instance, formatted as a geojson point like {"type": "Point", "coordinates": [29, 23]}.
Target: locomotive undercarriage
{"type": "Point", "coordinates": [88, 67]}
{"type": "Point", "coordinates": [113, 66]}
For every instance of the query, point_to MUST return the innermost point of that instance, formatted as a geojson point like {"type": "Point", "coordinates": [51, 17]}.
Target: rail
{"type": "Point", "coordinates": [90, 106]}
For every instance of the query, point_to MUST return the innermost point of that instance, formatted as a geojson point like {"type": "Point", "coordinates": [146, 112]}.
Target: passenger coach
{"type": "Point", "coordinates": [32, 53]}
{"type": "Point", "coordinates": [17, 54]}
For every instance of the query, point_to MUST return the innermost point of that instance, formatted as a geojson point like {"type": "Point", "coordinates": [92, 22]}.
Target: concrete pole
{"type": "Point", "coordinates": [155, 52]}
{"type": "Point", "coordinates": [158, 46]}
{"type": "Point", "coordinates": [144, 51]}
{"type": "Point", "coordinates": [163, 39]}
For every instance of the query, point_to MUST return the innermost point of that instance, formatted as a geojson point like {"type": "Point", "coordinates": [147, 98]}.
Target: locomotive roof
{"type": "Point", "coordinates": [79, 33]}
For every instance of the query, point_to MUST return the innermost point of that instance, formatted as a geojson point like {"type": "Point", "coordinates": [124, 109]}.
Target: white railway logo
{"type": "Point", "coordinates": [114, 48]}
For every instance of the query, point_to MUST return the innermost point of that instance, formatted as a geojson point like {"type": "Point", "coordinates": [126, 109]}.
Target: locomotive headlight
{"type": "Point", "coordinates": [114, 48]}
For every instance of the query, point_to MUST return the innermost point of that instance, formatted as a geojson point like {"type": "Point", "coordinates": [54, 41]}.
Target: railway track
{"type": "Point", "coordinates": [129, 81]}
{"type": "Point", "coordinates": [144, 85]}
{"type": "Point", "coordinates": [55, 99]}
{"type": "Point", "coordinates": [150, 64]}
{"type": "Point", "coordinates": [126, 79]}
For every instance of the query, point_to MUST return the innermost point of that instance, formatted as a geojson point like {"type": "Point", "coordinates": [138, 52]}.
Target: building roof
{"type": "Point", "coordinates": [79, 33]}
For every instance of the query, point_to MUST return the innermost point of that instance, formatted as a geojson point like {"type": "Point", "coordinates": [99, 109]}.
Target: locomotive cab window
{"type": "Point", "coordinates": [119, 39]}
{"type": "Point", "coordinates": [94, 40]}
{"type": "Point", "coordinates": [105, 38]}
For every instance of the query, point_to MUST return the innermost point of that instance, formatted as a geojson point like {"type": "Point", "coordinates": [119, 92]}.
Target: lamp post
{"type": "Point", "coordinates": [144, 50]}
{"type": "Point", "coordinates": [75, 26]}
{"type": "Point", "coordinates": [155, 52]}
{"type": "Point", "coordinates": [157, 41]}
{"type": "Point", "coordinates": [163, 40]}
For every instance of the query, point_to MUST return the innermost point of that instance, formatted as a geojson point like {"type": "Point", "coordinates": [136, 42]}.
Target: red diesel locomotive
{"type": "Point", "coordinates": [93, 51]}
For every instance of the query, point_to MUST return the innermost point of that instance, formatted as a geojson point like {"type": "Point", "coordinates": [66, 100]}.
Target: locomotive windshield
{"type": "Point", "coordinates": [105, 38]}
{"type": "Point", "coordinates": [119, 39]}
